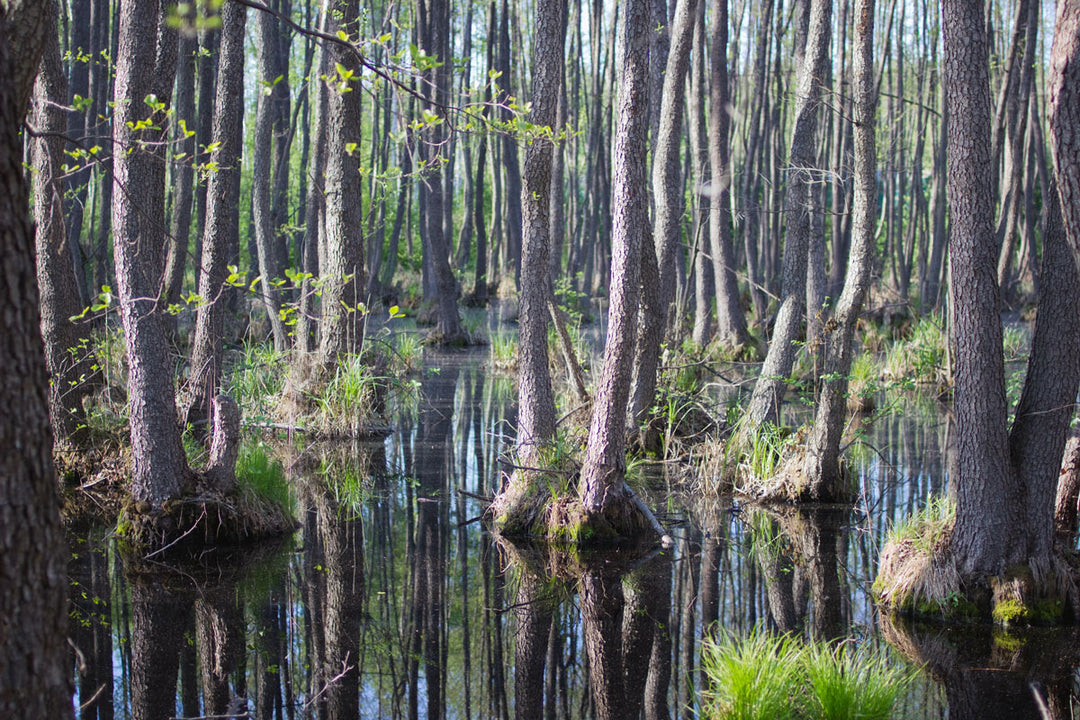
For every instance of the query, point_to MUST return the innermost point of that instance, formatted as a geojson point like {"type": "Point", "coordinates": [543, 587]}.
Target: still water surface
{"type": "Point", "coordinates": [392, 601]}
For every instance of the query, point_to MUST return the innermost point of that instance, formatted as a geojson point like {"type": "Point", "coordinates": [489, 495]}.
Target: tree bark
{"type": "Point", "coordinates": [988, 499]}
{"type": "Point", "coordinates": [67, 352]}
{"type": "Point", "coordinates": [222, 230]}
{"type": "Point", "coordinates": [536, 405]}
{"type": "Point", "coordinates": [159, 465]}
{"type": "Point", "coordinates": [33, 607]}
{"type": "Point", "coordinates": [822, 466]}
{"type": "Point", "coordinates": [769, 390]}
{"type": "Point", "coordinates": [342, 270]}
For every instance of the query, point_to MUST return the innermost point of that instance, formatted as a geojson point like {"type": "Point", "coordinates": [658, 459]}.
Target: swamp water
{"type": "Point", "coordinates": [392, 601]}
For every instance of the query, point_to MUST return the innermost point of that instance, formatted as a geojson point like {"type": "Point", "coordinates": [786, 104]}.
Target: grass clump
{"type": "Point", "coordinates": [260, 475]}
{"type": "Point", "coordinates": [851, 683]}
{"type": "Point", "coordinates": [504, 351]}
{"type": "Point", "coordinates": [920, 357]}
{"type": "Point", "coordinates": [752, 678]}
{"type": "Point", "coordinates": [917, 573]}
{"type": "Point", "coordinates": [767, 677]}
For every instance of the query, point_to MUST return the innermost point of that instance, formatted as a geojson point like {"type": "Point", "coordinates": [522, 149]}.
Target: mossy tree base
{"type": "Point", "coordinates": [540, 507]}
{"type": "Point", "coordinates": [196, 522]}
{"type": "Point", "coordinates": [915, 583]}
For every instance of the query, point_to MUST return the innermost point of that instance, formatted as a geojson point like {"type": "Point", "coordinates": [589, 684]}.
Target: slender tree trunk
{"type": "Point", "coordinates": [184, 146]}
{"type": "Point", "coordinates": [770, 387]}
{"type": "Point", "coordinates": [222, 230]}
{"type": "Point", "coordinates": [605, 498]}
{"type": "Point", "coordinates": [159, 465]}
{"type": "Point", "coordinates": [267, 146]}
{"type": "Point", "coordinates": [67, 354]}
{"type": "Point", "coordinates": [822, 465]}
{"type": "Point", "coordinates": [342, 269]}
{"type": "Point", "coordinates": [536, 404]}
{"type": "Point", "coordinates": [729, 314]}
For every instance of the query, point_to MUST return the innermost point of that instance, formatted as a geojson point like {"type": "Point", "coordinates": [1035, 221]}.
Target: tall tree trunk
{"type": "Point", "coordinates": [536, 405]}
{"type": "Point", "coordinates": [1064, 99]}
{"type": "Point", "coordinates": [605, 498]}
{"type": "Point", "coordinates": [35, 664]}
{"type": "Point", "coordinates": [342, 269]}
{"type": "Point", "coordinates": [509, 149]}
{"type": "Point", "coordinates": [822, 465]}
{"type": "Point", "coordinates": [159, 465]}
{"type": "Point", "coordinates": [987, 497]}
{"type": "Point", "coordinates": [184, 146]}
{"type": "Point", "coordinates": [770, 387]}
{"type": "Point", "coordinates": [67, 355]}
{"type": "Point", "coordinates": [268, 145]}
{"type": "Point", "coordinates": [729, 314]}
{"type": "Point", "coordinates": [222, 230]}
{"type": "Point", "coordinates": [669, 198]}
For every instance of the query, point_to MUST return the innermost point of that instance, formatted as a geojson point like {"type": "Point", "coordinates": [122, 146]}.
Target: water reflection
{"type": "Point", "coordinates": [392, 601]}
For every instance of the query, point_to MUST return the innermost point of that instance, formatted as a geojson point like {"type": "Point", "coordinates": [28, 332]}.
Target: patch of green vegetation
{"type": "Point", "coordinates": [928, 527]}
{"type": "Point", "coordinates": [261, 476]}
{"type": "Point", "coordinates": [255, 380]}
{"type": "Point", "coordinates": [504, 351]}
{"type": "Point", "coordinates": [1011, 612]}
{"type": "Point", "coordinates": [764, 676]}
{"type": "Point", "coordinates": [920, 356]}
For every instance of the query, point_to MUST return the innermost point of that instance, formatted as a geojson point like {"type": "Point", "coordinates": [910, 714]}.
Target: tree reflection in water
{"type": "Point", "coordinates": [393, 602]}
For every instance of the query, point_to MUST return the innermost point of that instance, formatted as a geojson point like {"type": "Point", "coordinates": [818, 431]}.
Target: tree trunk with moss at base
{"type": "Point", "coordinates": [822, 464]}
{"type": "Point", "coordinates": [608, 506]}
{"type": "Point", "coordinates": [518, 504]}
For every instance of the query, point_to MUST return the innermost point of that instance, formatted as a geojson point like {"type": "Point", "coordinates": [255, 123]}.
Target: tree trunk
{"type": "Point", "coordinates": [35, 664]}
{"type": "Point", "coordinates": [536, 404]}
{"type": "Point", "coordinates": [1064, 99]}
{"type": "Point", "coordinates": [222, 231]}
{"type": "Point", "coordinates": [266, 149]}
{"type": "Point", "coordinates": [658, 276]}
{"type": "Point", "coordinates": [987, 497]}
{"type": "Point", "coordinates": [769, 390]}
{"type": "Point", "coordinates": [184, 177]}
{"type": "Point", "coordinates": [605, 498]}
{"type": "Point", "coordinates": [730, 319]}
{"type": "Point", "coordinates": [159, 466]}
{"type": "Point", "coordinates": [342, 269]}
{"type": "Point", "coordinates": [67, 353]}
{"type": "Point", "coordinates": [822, 466]}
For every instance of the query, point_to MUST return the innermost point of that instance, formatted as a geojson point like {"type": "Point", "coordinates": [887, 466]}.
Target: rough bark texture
{"type": "Point", "coordinates": [730, 319]}
{"type": "Point", "coordinates": [66, 354]}
{"type": "Point", "coordinates": [536, 404]}
{"type": "Point", "coordinates": [534, 614]}
{"type": "Point", "coordinates": [159, 466]}
{"type": "Point", "coordinates": [1068, 495]}
{"type": "Point", "coordinates": [222, 231]}
{"type": "Point", "coordinates": [770, 387]}
{"type": "Point", "coordinates": [434, 34]}
{"type": "Point", "coordinates": [822, 466]}
{"type": "Point", "coordinates": [264, 151]}
{"type": "Point", "coordinates": [667, 187]}
{"type": "Point", "coordinates": [1042, 417]}
{"type": "Point", "coordinates": [184, 173]}
{"type": "Point", "coordinates": [343, 264]}
{"type": "Point", "coordinates": [26, 23]}
{"type": "Point", "coordinates": [602, 487]}
{"type": "Point", "coordinates": [1064, 96]}
{"type": "Point", "coordinates": [987, 497]}
{"type": "Point", "coordinates": [34, 666]}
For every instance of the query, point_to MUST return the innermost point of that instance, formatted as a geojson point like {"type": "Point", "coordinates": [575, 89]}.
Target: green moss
{"type": "Point", "coordinates": [1011, 612]}
{"type": "Point", "coordinates": [1007, 642]}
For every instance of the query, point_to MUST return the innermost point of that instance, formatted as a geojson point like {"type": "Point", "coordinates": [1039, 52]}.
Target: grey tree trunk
{"type": "Point", "coordinates": [342, 268]}
{"type": "Point", "coordinates": [730, 319]}
{"type": "Point", "coordinates": [987, 497]}
{"type": "Point", "coordinates": [183, 143]}
{"type": "Point", "coordinates": [536, 404]}
{"type": "Point", "coordinates": [667, 186]}
{"type": "Point", "coordinates": [222, 230]}
{"type": "Point", "coordinates": [159, 465]}
{"type": "Point", "coordinates": [266, 173]}
{"type": "Point", "coordinates": [769, 390]}
{"type": "Point", "coordinates": [67, 356]}
{"type": "Point", "coordinates": [35, 664]}
{"type": "Point", "coordinates": [1063, 93]}
{"type": "Point", "coordinates": [822, 465]}
{"type": "Point", "coordinates": [606, 500]}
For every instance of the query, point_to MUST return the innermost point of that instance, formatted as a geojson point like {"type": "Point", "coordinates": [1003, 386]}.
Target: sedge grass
{"type": "Point", "coordinates": [774, 677]}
